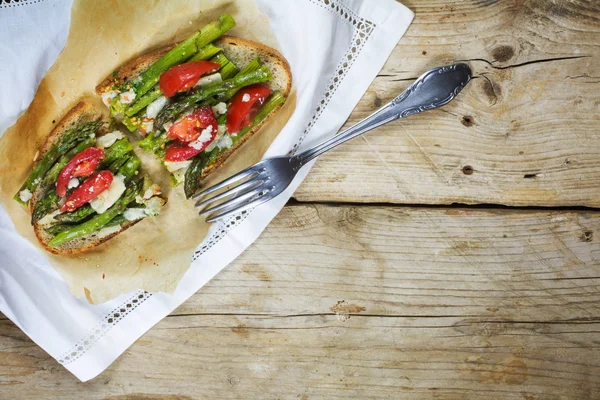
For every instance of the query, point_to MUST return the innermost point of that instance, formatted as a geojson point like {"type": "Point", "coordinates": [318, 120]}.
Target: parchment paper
{"type": "Point", "coordinates": [155, 253]}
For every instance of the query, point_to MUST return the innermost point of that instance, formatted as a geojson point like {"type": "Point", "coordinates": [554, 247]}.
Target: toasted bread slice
{"type": "Point", "coordinates": [83, 112]}
{"type": "Point", "coordinates": [240, 52]}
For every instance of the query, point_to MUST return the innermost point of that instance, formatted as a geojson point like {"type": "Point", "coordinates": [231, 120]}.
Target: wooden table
{"type": "Point", "coordinates": [452, 255]}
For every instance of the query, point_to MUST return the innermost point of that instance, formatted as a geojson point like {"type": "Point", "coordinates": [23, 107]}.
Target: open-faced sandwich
{"type": "Point", "coordinates": [198, 100]}
{"type": "Point", "coordinates": [195, 102]}
{"type": "Point", "coordinates": [86, 186]}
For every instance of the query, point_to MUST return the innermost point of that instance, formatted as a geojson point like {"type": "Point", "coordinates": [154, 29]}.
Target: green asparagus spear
{"type": "Point", "coordinates": [160, 146]}
{"type": "Point", "coordinates": [118, 220]}
{"type": "Point", "coordinates": [181, 52]}
{"type": "Point", "coordinates": [205, 53]}
{"type": "Point", "coordinates": [131, 123]}
{"type": "Point", "coordinates": [147, 143]}
{"type": "Point", "coordinates": [65, 143]}
{"type": "Point", "coordinates": [76, 216]}
{"type": "Point", "coordinates": [116, 106]}
{"type": "Point", "coordinates": [57, 228]}
{"type": "Point", "coordinates": [129, 169]}
{"type": "Point", "coordinates": [143, 101]}
{"type": "Point", "coordinates": [118, 163]}
{"type": "Point", "coordinates": [275, 100]}
{"type": "Point", "coordinates": [222, 119]}
{"type": "Point", "coordinates": [251, 67]}
{"type": "Point", "coordinates": [173, 110]}
{"type": "Point", "coordinates": [228, 69]}
{"type": "Point", "coordinates": [52, 174]}
{"type": "Point", "coordinates": [45, 206]}
{"type": "Point", "coordinates": [192, 175]}
{"type": "Point", "coordinates": [116, 151]}
{"type": "Point", "coordinates": [97, 222]}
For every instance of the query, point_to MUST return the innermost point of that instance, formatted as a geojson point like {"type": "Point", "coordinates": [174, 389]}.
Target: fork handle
{"type": "Point", "coordinates": [433, 89]}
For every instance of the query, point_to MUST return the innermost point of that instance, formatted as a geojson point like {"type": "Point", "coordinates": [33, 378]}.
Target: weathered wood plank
{"type": "Point", "coordinates": [525, 132]}
{"type": "Point", "coordinates": [320, 357]}
{"type": "Point", "coordinates": [540, 265]}
{"type": "Point", "coordinates": [369, 302]}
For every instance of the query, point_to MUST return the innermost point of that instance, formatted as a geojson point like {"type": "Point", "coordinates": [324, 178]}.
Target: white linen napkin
{"type": "Point", "coordinates": [342, 47]}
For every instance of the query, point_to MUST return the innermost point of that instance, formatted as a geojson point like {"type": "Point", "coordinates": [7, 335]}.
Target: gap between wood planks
{"type": "Point", "coordinates": [293, 202]}
{"type": "Point", "coordinates": [491, 64]}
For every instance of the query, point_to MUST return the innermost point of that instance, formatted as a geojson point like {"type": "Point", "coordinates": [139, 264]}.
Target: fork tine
{"type": "Point", "coordinates": [235, 209]}
{"type": "Point", "coordinates": [230, 203]}
{"type": "Point", "coordinates": [239, 176]}
{"type": "Point", "coordinates": [251, 184]}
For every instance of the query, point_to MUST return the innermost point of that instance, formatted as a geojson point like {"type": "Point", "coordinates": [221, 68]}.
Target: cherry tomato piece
{"type": "Point", "coordinates": [83, 164]}
{"type": "Point", "coordinates": [184, 76]}
{"type": "Point", "coordinates": [244, 106]}
{"type": "Point", "coordinates": [190, 128]}
{"type": "Point", "coordinates": [88, 190]}
{"type": "Point", "coordinates": [179, 151]}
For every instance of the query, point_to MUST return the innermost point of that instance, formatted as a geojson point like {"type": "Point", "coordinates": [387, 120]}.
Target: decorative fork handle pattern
{"type": "Point", "coordinates": [433, 89]}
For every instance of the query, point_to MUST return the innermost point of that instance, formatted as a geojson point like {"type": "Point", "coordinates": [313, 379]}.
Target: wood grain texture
{"type": "Point", "coordinates": [398, 302]}
{"type": "Point", "coordinates": [524, 132]}
{"type": "Point", "coordinates": [369, 302]}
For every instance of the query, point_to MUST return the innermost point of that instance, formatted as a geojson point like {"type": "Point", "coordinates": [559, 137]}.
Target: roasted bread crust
{"type": "Point", "coordinates": [133, 68]}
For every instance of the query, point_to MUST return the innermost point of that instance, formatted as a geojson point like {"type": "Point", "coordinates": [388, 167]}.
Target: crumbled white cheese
{"type": "Point", "coordinates": [225, 142]}
{"type": "Point", "coordinates": [223, 139]}
{"type": "Point", "coordinates": [167, 126]}
{"type": "Point", "coordinates": [220, 108]}
{"type": "Point", "coordinates": [108, 96]}
{"type": "Point", "coordinates": [196, 144]}
{"type": "Point", "coordinates": [37, 181]}
{"type": "Point", "coordinates": [133, 214]}
{"type": "Point", "coordinates": [153, 206]}
{"type": "Point", "coordinates": [147, 126]}
{"type": "Point", "coordinates": [245, 98]}
{"type": "Point", "coordinates": [154, 108]}
{"type": "Point", "coordinates": [179, 175]}
{"type": "Point", "coordinates": [35, 157]}
{"type": "Point", "coordinates": [151, 191]}
{"type": "Point", "coordinates": [173, 166]}
{"type": "Point", "coordinates": [221, 130]}
{"type": "Point", "coordinates": [48, 219]}
{"type": "Point", "coordinates": [127, 97]}
{"type": "Point", "coordinates": [25, 195]}
{"type": "Point", "coordinates": [73, 183]}
{"type": "Point", "coordinates": [109, 139]}
{"type": "Point", "coordinates": [104, 232]}
{"type": "Point", "coordinates": [204, 137]}
{"type": "Point", "coordinates": [110, 196]}
{"type": "Point", "coordinates": [209, 80]}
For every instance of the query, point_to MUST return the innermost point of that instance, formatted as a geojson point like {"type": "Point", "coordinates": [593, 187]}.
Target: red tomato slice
{"type": "Point", "coordinates": [88, 190]}
{"type": "Point", "coordinates": [244, 106]}
{"type": "Point", "coordinates": [83, 164]}
{"type": "Point", "coordinates": [190, 127]}
{"type": "Point", "coordinates": [179, 151]}
{"type": "Point", "coordinates": [184, 76]}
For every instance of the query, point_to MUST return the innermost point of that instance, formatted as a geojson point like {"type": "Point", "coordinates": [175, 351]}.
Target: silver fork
{"type": "Point", "coordinates": [268, 178]}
